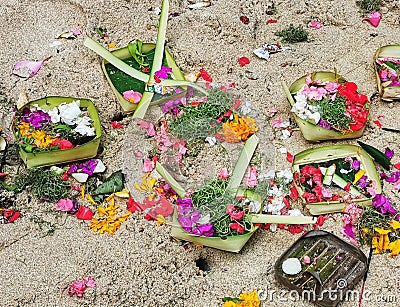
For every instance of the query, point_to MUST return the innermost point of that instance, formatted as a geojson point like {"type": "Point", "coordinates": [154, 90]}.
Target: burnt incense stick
{"type": "Point", "coordinates": [390, 129]}
{"type": "Point", "coordinates": [365, 276]}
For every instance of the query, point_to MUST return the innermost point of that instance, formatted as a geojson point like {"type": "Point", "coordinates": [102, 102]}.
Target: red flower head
{"type": "Point", "coordinates": [235, 226]}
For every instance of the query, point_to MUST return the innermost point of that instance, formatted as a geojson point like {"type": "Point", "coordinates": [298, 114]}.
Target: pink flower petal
{"type": "Point", "coordinates": [396, 185]}
{"type": "Point", "coordinates": [316, 24]}
{"type": "Point", "coordinates": [89, 282]}
{"type": "Point", "coordinates": [76, 32]}
{"type": "Point", "coordinates": [374, 18]}
{"type": "Point", "coordinates": [132, 96]}
{"type": "Point", "coordinates": [64, 205]}
{"type": "Point", "coordinates": [224, 173]}
{"type": "Point", "coordinates": [148, 165]}
{"type": "Point", "coordinates": [151, 129]}
{"type": "Point", "coordinates": [28, 69]}
{"type": "Point", "coordinates": [138, 154]}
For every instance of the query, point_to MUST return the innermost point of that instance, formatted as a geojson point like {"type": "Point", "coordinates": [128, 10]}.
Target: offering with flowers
{"type": "Point", "coordinates": [56, 130]}
{"type": "Point", "coordinates": [387, 67]}
{"type": "Point", "coordinates": [328, 177]}
{"type": "Point", "coordinates": [132, 71]}
{"type": "Point", "coordinates": [327, 107]}
{"type": "Point", "coordinates": [223, 212]}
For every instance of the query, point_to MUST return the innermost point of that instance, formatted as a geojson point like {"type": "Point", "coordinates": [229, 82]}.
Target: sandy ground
{"type": "Point", "coordinates": [142, 265]}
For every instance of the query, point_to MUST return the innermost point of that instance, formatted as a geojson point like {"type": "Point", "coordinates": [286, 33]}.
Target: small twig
{"type": "Point", "coordinates": [16, 240]}
{"type": "Point", "coordinates": [365, 275]}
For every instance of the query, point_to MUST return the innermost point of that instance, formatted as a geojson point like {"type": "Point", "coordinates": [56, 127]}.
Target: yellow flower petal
{"type": "Point", "coordinates": [161, 220]}
{"type": "Point", "coordinates": [83, 192]}
{"type": "Point", "coordinates": [90, 199]}
{"type": "Point", "coordinates": [382, 231]}
{"type": "Point", "coordinates": [122, 194]}
{"type": "Point", "coordinates": [358, 175]}
{"type": "Point", "coordinates": [395, 224]}
{"type": "Point", "coordinates": [394, 247]}
{"type": "Point", "coordinates": [108, 198]}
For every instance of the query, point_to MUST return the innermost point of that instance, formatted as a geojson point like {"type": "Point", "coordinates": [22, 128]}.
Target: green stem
{"type": "Point", "coordinates": [112, 59]}
{"type": "Point", "coordinates": [144, 103]}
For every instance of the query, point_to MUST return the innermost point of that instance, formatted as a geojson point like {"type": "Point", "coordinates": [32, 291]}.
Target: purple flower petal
{"type": "Point", "coordinates": [389, 153]}
{"type": "Point", "coordinates": [356, 165]}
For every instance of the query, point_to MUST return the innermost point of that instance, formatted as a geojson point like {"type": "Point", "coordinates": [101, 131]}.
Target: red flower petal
{"type": "Point", "coordinates": [294, 194]}
{"type": "Point", "coordinates": [132, 205]}
{"type": "Point", "coordinates": [289, 157]}
{"type": "Point", "coordinates": [244, 19]}
{"type": "Point", "coordinates": [243, 61]}
{"type": "Point", "coordinates": [64, 176]}
{"type": "Point", "coordinates": [236, 104]}
{"type": "Point", "coordinates": [378, 123]}
{"type": "Point", "coordinates": [206, 77]}
{"type": "Point", "coordinates": [397, 165]}
{"type": "Point", "coordinates": [3, 174]}
{"type": "Point", "coordinates": [157, 79]}
{"type": "Point", "coordinates": [271, 21]}
{"type": "Point", "coordinates": [84, 213]}
{"type": "Point", "coordinates": [14, 216]}
{"type": "Point", "coordinates": [116, 125]}
{"type": "Point", "coordinates": [347, 187]}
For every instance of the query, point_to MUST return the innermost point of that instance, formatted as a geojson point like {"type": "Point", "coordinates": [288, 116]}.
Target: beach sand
{"type": "Point", "coordinates": [141, 265]}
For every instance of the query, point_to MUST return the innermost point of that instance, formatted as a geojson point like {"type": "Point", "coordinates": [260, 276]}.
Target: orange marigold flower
{"type": "Point", "coordinates": [239, 128]}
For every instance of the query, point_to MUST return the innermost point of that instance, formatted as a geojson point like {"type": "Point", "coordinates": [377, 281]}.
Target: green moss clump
{"type": "Point", "coordinates": [44, 184]}
{"type": "Point", "coordinates": [369, 6]}
{"type": "Point", "coordinates": [293, 34]}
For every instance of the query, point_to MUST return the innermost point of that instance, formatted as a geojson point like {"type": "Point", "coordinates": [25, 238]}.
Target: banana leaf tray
{"type": "Point", "coordinates": [310, 131]}
{"type": "Point", "coordinates": [387, 92]}
{"type": "Point", "coordinates": [327, 153]}
{"type": "Point", "coordinates": [123, 54]}
{"type": "Point", "coordinates": [53, 157]}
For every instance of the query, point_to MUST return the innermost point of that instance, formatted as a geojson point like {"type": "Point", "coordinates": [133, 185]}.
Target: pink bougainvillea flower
{"type": "Point", "coordinates": [76, 32]}
{"type": "Point", "coordinates": [204, 74]}
{"type": "Point", "coordinates": [132, 96]}
{"type": "Point", "coordinates": [89, 282]}
{"type": "Point", "coordinates": [151, 129]}
{"type": "Point", "coordinates": [243, 61]}
{"type": "Point", "coordinates": [163, 72]}
{"type": "Point", "coordinates": [396, 185]}
{"type": "Point", "coordinates": [148, 165]}
{"type": "Point", "coordinates": [28, 69]}
{"type": "Point", "coordinates": [224, 173]}
{"type": "Point", "coordinates": [272, 112]}
{"type": "Point", "coordinates": [84, 213]}
{"type": "Point", "coordinates": [374, 19]}
{"type": "Point", "coordinates": [64, 205]}
{"type": "Point", "coordinates": [250, 179]}
{"type": "Point", "coordinates": [316, 24]}
{"type": "Point", "coordinates": [236, 213]}
{"type": "Point", "coordinates": [79, 287]}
